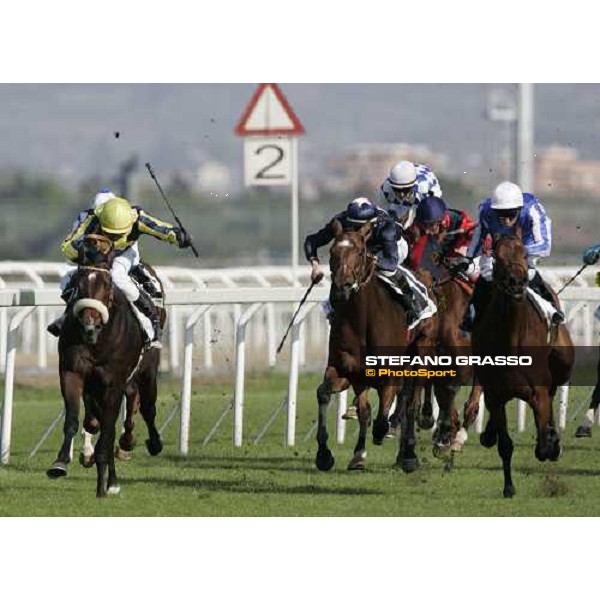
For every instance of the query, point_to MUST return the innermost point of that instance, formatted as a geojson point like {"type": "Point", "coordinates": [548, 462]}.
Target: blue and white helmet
{"type": "Point", "coordinates": [104, 195]}
{"type": "Point", "coordinates": [361, 211]}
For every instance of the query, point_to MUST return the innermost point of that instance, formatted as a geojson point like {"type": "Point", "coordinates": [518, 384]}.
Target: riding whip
{"type": "Point", "coordinates": [308, 291]}
{"type": "Point", "coordinates": [152, 174]}
{"type": "Point", "coordinates": [572, 279]}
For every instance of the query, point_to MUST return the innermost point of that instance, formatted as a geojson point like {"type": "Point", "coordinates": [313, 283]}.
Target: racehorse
{"type": "Point", "coordinates": [101, 356]}
{"type": "Point", "coordinates": [508, 325]}
{"type": "Point", "coordinates": [366, 316]}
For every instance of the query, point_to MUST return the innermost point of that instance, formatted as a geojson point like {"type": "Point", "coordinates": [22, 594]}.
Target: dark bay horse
{"type": "Point", "coordinates": [366, 315]}
{"type": "Point", "coordinates": [510, 325]}
{"type": "Point", "coordinates": [100, 353]}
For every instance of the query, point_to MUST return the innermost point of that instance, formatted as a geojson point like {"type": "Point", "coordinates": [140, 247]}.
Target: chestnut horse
{"type": "Point", "coordinates": [366, 315]}
{"type": "Point", "coordinates": [510, 325]}
{"type": "Point", "coordinates": [100, 354]}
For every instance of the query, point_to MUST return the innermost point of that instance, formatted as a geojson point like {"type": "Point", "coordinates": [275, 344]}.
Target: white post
{"type": "Point", "coordinates": [525, 123]}
{"type": "Point", "coordinates": [290, 438]}
{"type": "Point", "coordinates": [208, 360]}
{"type": "Point", "coordinates": [563, 403]}
{"type": "Point", "coordinates": [42, 335]}
{"type": "Point", "coordinates": [271, 334]}
{"type": "Point", "coordinates": [173, 339]}
{"type": "Point", "coordinates": [9, 381]}
{"type": "Point", "coordinates": [3, 331]}
{"type": "Point", "coordinates": [340, 423]}
{"type": "Point", "coordinates": [480, 415]}
{"type": "Point", "coordinates": [240, 366]}
{"type": "Point", "coordinates": [521, 412]}
{"type": "Point", "coordinates": [295, 239]}
{"type": "Point", "coordinates": [186, 388]}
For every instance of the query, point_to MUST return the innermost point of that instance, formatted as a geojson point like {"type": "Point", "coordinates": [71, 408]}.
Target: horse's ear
{"type": "Point", "coordinates": [338, 230]}
{"type": "Point", "coordinates": [366, 230]}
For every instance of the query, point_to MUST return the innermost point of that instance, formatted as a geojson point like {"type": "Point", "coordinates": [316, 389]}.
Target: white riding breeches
{"type": "Point", "coordinates": [119, 273]}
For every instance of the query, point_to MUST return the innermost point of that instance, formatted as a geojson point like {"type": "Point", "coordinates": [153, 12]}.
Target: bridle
{"type": "Point", "coordinates": [505, 279]}
{"type": "Point", "coordinates": [363, 272]}
{"type": "Point", "coordinates": [83, 303]}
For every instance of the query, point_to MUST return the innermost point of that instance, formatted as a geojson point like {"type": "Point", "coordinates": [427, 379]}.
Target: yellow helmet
{"type": "Point", "coordinates": [116, 216]}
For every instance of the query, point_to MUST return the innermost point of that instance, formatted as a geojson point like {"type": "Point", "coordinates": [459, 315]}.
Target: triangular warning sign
{"type": "Point", "coordinates": [269, 113]}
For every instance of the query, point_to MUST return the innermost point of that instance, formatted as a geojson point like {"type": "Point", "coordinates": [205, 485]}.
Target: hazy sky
{"type": "Point", "coordinates": [68, 129]}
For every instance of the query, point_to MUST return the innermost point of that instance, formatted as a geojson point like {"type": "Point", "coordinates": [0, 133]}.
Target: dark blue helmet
{"type": "Point", "coordinates": [361, 211]}
{"type": "Point", "coordinates": [430, 210]}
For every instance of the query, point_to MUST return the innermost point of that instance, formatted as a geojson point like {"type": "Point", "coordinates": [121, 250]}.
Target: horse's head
{"type": "Point", "coordinates": [350, 262]}
{"type": "Point", "coordinates": [510, 266]}
{"type": "Point", "coordinates": [94, 290]}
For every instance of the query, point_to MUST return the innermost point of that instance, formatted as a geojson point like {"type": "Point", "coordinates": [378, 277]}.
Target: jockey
{"type": "Point", "coordinates": [443, 231]}
{"type": "Point", "coordinates": [506, 211]}
{"type": "Point", "coordinates": [406, 186]}
{"type": "Point", "coordinates": [123, 224]}
{"type": "Point", "coordinates": [384, 245]}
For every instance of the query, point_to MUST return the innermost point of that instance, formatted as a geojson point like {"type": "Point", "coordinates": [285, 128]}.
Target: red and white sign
{"type": "Point", "coordinates": [269, 114]}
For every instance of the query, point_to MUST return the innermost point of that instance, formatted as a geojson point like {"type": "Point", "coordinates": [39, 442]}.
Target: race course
{"type": "Point", "coordinates": [267, 479]}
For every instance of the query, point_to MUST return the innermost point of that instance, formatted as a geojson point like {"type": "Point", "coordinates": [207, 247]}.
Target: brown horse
{"type": "Point", "coordinates": [453, 291]}
{"type": "Point", "coordinates": [365, 316]}
{"type": "Point", "coordinates": [100, 352]}
{"type": "Point", "coordinates": [510, 325]}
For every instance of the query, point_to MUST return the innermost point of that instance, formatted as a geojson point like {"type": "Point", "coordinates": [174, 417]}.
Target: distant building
{"type": "Point", "coordinates": [559, 170]}
{"type": "Point", "coordinates": [370, 164]}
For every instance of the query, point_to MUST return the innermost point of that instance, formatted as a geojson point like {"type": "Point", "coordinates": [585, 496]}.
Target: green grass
{"type": "Point", "coordinates": [268, 479]}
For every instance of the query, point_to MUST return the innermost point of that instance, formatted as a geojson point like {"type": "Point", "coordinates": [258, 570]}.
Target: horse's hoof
{"type": "Point", "coordinates": [351, 414]}
{"type": "Point", "coordinates": [583, 432]}
{"type": "Point", "coordinates": [409, 465]}
{"type": "Point", "coordinates": [459, 440]}
{"type": "Point", "coordinates": [487, 440]}
{"type": "Point", "coordinates": [124, 455]}
{"type": "Point", "coordinates": [325, 460]}
{"type": "Point", "coordinates": [392, 433]}
{"type": "Point", "coordinates": [541, 455]}
{"type": "Point", "coordinates": [509, 491]}
{"type": "Point", "coordinates": [425, 422]}
{"type": "Point", "coordinates": [357, 464]}
{"type": "Point", "coordinates": [58, 469]}
{"type": "Point", "coordinates": [441, 451]}
{"type": "Point", "coordinates": [154, 446]}
{"type": "Point", "coordinates": [113, 490]}
{"type": "Point", "coordinates": [87, 462]}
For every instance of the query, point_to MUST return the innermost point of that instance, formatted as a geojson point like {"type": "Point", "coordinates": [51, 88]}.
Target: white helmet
{"type": "Point", "coordinates": [403, 175]}
{"type": "Point", "coordinates": [103, 196]}
{"type": "Point", "coordinates": [507, 195]}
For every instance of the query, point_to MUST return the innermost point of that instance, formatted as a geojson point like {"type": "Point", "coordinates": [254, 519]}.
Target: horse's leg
{"type": "Point", "coordinates": [71, 386]}
{"type": "Point", "coordinates": [364, 416]}
{"type": "Point", "coordinates": [489, 436]}
{"type": "Point", "coordinates": [505, 447]}
{"type": "Point", "coordinates": [104, 451]}
{"type": "Point", "coordinates": [148, 394]}
{"type": "Point", "coordinates": [548, 440]}
{"type": "Point", "coordinates": [471, 408]}
{"type": "Point", "coordinates": [425, 418]}
{"type": "Point", "coordinates": [447, 424]}
{"type": "Point", "coordinates": [124, 450]}
{"type": "Point", "coordinates": [407, 458]}
{"type": "Point", "coordinates": [91, 427]}
{"type": "Point", "coordinates": [331, 383]}
{"type": "Point", "coordinates": [381, 425]}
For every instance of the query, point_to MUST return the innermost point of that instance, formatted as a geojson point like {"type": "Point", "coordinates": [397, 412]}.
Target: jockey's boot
{"type": "Point", "coordinates": [56, 326]}
{"type": "Point", "coordinates": [413, 303]}
{"type": "Point", "coordinates": [539, 286]}
{"type": "Point", "coordinates": [145, 305]}
{"type": "Point", "coordinates": [68, 296]}
{"type": "Point", "coordinates": [478, 299]}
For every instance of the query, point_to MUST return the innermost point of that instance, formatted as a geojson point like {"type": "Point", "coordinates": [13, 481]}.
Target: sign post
{"type": "Point", "coordinates": [271, 129]}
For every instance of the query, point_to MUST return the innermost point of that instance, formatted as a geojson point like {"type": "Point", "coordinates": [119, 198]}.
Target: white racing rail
{"type": "Point", "coordinates": [580, 300]}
